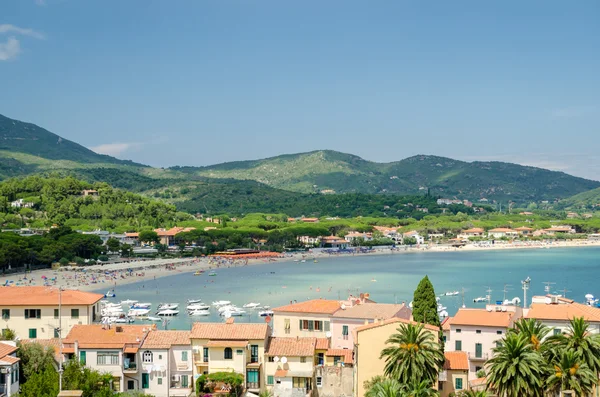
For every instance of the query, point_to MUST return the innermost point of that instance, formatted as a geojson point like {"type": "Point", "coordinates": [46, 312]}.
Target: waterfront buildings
{"type": "Point", "coordinates": [556, 312]}
{"type": "Point", "coordinates": [9, 369]}
{"type": "Point", "coordinates": [113, 349]}
{"type": "Point", "coordinates": [501, 232]}
{"type": "Point", "coordinates": [37, 312]}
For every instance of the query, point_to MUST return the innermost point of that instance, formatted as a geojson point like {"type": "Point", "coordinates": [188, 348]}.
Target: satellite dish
{"type": "Point", "coordinates": [548, 300]}
{"type": "Point", "coordinates": [343, 307]}
{"type": "Point", "coordinates": [328, 334]}
{"type": "Point", "coordinates": [284, 360]}
{"type": "Point", "coordinates": [276, 359]}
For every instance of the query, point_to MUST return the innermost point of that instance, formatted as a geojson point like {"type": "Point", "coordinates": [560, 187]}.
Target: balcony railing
{"type": "Point", "coordinates": [2, 389]}
{"type": "Point", "coordinates": [252, 385]}
{"type": "Point", "coordinates": [131, 367]}
{"type": "Point", "coordinates": [475, 356]}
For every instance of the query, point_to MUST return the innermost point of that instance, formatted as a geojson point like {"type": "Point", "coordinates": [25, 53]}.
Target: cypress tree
{"type": "Point", "coordinates": [424, 304]}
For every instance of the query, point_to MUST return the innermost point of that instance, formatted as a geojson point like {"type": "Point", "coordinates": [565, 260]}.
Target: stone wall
{"type": "Point", "coordinates": [336, 381]}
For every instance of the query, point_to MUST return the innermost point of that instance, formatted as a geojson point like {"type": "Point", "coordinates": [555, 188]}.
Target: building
{"type": "Point", "coordinates": [112, 349]}
{"type": "Point", "coordinates": [473, 232]}
{"type": "Point", "coordinates": [556, 312]}
{"type": "Point", "coordinates": [90, 192]}
{"type": "Point", "coordinates": [167, 237]}
{"type": "Point", "coordinates": [414, 234]}
{"type": "Point", "coordinates": [231, 347]}
{"type": "Point", "coordinates": [348, 318]}
{"type": "Point", "coordinates": [501, 232]}
{"type": "Point", "coordinates": [309, 220]}
{"type": "Point", "coordinates": [309, 240]}
{"type": "Point", "coordinates": [477, 332]}
{"type": "Point", "coordinates": [334, 242]}
{"type": "Point", "coordinates": [560, 229]}
{"type": "Point", "coordinates": [525, 231]}
{"type": "Point", "coordinates": [166, 364]}
{"type": "Point", "coordinates": [353, 236]}
{"type": "Point", "coordinates": [9, 369]}
{"type": "Point", "coordinates": [309, 319]}
{"type": "Point", "coordinates": [34, 313]}
{"type": "Point", "coordinates": [455, 376]}
{"type": "Point", "coordinates": [20, 203]}
{"type": "Point", "coordinates": [369, 341]}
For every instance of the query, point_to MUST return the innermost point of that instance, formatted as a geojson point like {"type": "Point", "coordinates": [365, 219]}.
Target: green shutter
{"type": "Point", "coordinates": [184, 356]}
{"type": "Point", "coordinates": [458, 384]}
{"type": "Point", "coordinates": [344, 330]}
{"type": "Point", "coordinates": [145, 381]}
{"type": "Point", "coordinates": [32, 333]}
{"type": "Point", "coordinates": [82, 357]}
{"type": "Point", "coordinates": [458, 345]}
{"type": "Point", "coordinates": [311, 325]}
{"type": "Point", "coordinates": [184, 381]}
{"type": "Point", "coordinates": [478, 350]}
{"type": "Point", "coordinates": [300, 326]}
{"type": "Point", "coordinates": [270, 380]}
{"type": "Point", "coordinates": [326, 323]}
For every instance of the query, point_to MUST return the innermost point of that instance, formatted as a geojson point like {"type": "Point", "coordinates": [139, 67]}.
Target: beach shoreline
{"type": "Point", "coordinates": [110, 276]}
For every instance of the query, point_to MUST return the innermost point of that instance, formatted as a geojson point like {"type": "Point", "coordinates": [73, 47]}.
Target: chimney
{"type": "Point", "coordinates": [119, 329]}
{"type": "Point", "coordinates": [230, 320]}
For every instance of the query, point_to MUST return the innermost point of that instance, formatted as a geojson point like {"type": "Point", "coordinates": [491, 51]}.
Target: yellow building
{"type": "Point", "coordinates": [455, 376]}
{"type": "Point", "coordinates": [33, 312]}
{"type": "Point", "coordinates": [231, 347]}
{"type": "Point", "coordinates": [369, 341]}
{"type": "Point", "coordinates": [309, 319]}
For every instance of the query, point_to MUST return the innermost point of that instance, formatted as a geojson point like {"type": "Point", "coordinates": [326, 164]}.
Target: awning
{"type": "Point", "coordinates": [281, 373]}
{"type": "Point", "coordinates": [227, 343]}
{"type": "Point", "coordinates": [131, 350]}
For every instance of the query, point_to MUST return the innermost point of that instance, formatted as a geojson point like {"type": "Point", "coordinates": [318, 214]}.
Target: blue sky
{"type": "Point", "coordinates": [199, 82]}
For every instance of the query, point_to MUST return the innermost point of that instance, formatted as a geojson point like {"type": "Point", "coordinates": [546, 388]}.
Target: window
{"type": "Point", "coordinates": [458, 345]}
{"type": "Point", "coordinates": [32, 333]}
{"type": "Point", "coordinates": [441, 386]}
{"type": "Point", "coordinates": [74, 313]}
{"type": "Point", "coordinates": [55, 313]}
{"type": "Point", "coordinates": [458, 384]}
{"type": "Point", "coordinates": [205, 354]}
{"type": "Point", "coordinates": [184, 381]}
{"type": "Point", "coordinates": [159, 381]}
{"type": "Point", "coordinates": [252, 379]}
{"type": "Point", "coordinates": [458, 330]}
{"type": "Point", "coordinates": [444, 338]}
{"type": "Point", "coordinates": [478, 350]}
{"type": "Point", "coordinates": [160, 356]}
{"type": "Point", "coordinates": [147, 356]}
{"type": "Point", "coordinates": [239, 352]}
{"type": "Point", "coordinates": [477, 331]}
{"type": "Point", "coordinates": [477, 369]}
{"type": "Point", "coordinates": [336, 360]}
{"type": "Point", "coordinates": [145, 381]}
{"type": "Point", "coordinates": [107, 358]}
{"type": "Point", "coordinates": [320, 359]}
{"type": "Point", "coordinates": [5, 314]}
{"type": "Point", "coordinates": [82, 357]}
{"type": "Point", "coordinates": [498, 343]}
{"type": "Point", "coordinates": [556, 331]}
{"type": "Point", "coordinates": [302, 359]}
{"type": "Point", "coordinates": [344, 332]}
{"type": "Point", "coordinates": [270, 380]}
{"type": "Point", "coordinates": [499, 332]}
{"type": "Point", "coordinates": [326, 326]}
{"type": "Point", "coordinates": [319, 381]}
{"type": "Point", "coordinates": [301, 383]}
{"type": "Point", "coordinates": [228, 354]}
{"type": "Point", "coordinates": [184, 356]}
{"type": "Point", "coordinates": [33, 313]}
{"type": "Point", "coordinates": [286, 325]}
{"type": "Point", "coordinates": [271, 359]}
{"type": "Point", "coordinates": [253, 353]}
{"type": "Point", "coordinates": [56, 332]}
{"type": "Point", "coordinates": [318, 325]}
{"type": "Point", "coordinates": [130, 385]}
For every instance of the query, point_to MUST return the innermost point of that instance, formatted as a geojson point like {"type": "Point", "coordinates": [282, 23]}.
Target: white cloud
{"type": "Point", "coordinates": [9, 49]}
{"type": "Point", "coordinates": [574, 111]}
{"type": "Point", "coordinates": [115, 149]}
{"type": "Point", "coordinates": [8, 28]}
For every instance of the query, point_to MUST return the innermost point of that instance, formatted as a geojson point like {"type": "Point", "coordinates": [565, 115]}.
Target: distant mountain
{"type": "Point", "coordinates": [589, 200]}
{"type": "Point", "coordinates": [26, 149]}
{"type": "Point", "coordinates": [326, 171]}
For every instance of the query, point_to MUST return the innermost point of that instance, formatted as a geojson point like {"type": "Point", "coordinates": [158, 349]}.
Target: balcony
{"type": "Point", "coordinates": [199, 359]}
{"type": "Point", "coordinates": [252, 385]}
{"type": "Point", "coordinates": [130, 368]}
{"type": "Point", "coordinates": [478, 357]}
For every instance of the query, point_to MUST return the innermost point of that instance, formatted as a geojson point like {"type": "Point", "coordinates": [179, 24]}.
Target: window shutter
{"type": "Point", "coordinates": [311, 325]}
{"type": "Point", "coordinates": [300, 325]}
{"type": "Point", "coordinates": [326, 325]}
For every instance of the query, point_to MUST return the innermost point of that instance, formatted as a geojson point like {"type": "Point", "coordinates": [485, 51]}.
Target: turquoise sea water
{"type": "Point", "coordinates": [576, 269]}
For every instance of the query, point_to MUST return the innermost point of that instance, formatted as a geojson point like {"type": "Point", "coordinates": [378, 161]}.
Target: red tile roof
{"type": "Point", "coordinates": [229, 331]}
{"type": "Point", "coordinates": [227, 343]}
{"type": "Point", "coordinates": [322, 344]}
{"type": "Point", "coordinates": [9, 359]}
{"type": "Point", "coordinates": [501, 230]}
{"type": "Point", "coordinates": [481, 317]}
{"type": "Point", "coordinates": [98, 336]}
{"type": "Point", "coordinates": [291, 347]}
{"type": "Point", "coordinates": [346, 354]}
{"type": "Point", "coordinates": [563, 312]}
{"type": "Point", "coordinates": [45, 296]}
{"type": "Point", "coordinates": [281, 373]}
{"type": "Point", "coordinates": [6, 349]}
{"type": "Point", "coordinates": [456, 361]}
{"type": "Point", "coordinates": [319, 306]}
{"type": "Point", "coordinates": [392, 320]}
{"type": "Point", "coordinates": [166, 339]}
{"type": "Point", "coordinates": [371, 311]}
{"type": "Point", "coordinates": [446, 324]}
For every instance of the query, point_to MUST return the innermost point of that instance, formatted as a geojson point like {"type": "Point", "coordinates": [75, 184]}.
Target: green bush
{"type": "Point", "coordinates": [103, 258]}
{"type": "Point", "coordinates": [205, 384]}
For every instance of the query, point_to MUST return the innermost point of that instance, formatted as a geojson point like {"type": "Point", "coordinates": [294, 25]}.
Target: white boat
{"type": "Point", "coordinates": [198, 306]}
{"type": "Point", "coordinates": [410, 304]}
{"type": "Point", "coordinates": [479, 299]}
{"type": "Point", "coordinates": [190, 301]}
{"type": "Point", "coordinates": [167, 306]}
{"type": "Point", "coordinates": [266, 307]}
{"type": "Point", "coordinates": [128, 302]}
{"type": "Point", "coordinates": [167, 312]}
{"type": "Point", "coordinates": [221, 303]}
{"type": "Point", "coordinates": [265, 313]}
{"type": "Point", "coordinates": [124, 320]}
{"type": "Point", "coordinates": [251, 305]}
{"type": "Point", "coordinates": [143, 305]}
{"type": "Point", "coordinates": [153, 318]}
{"type": "Point", "coordinates": [199, 312]}
{"type": "Point", "coordinates": [443, 314]}
{"type": "Point", "coordinates": [441, 308]}
{"type": "Point", "coordinates": [110, 294]}
{"type": "Point", "coordinates": [452, 293]}
{"type": "Point", "coordinates": [227, 308]}
{"type": "Point", "coordinates": [108, 304]}
{"type": "Point", "coordinates": [303, 261]}
{"type": "Point", "coordinates": [235, 313]}
{"type": "Point", "coordinates": [138, 312]}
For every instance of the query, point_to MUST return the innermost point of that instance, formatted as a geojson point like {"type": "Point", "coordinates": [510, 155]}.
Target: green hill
{"type": "Point", "coordinates": [589, 200]}
{"type": "Point", "coordinates": [343, 173]}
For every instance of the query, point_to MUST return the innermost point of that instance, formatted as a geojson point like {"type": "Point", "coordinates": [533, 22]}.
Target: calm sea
{"type": "Point", "coordinates": [388, 278]}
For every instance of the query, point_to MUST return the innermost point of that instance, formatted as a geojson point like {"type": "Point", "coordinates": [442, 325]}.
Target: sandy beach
{"type": "Point", "coordinates": [108, 276]}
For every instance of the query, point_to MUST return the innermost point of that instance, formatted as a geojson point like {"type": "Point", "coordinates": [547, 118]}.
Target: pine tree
{"type": "Point", "coordinates": [424, 304]}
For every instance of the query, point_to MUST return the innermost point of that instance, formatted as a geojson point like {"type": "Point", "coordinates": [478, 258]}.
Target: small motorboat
{"type": "Point", "coordinates": [212, 274]}
{"type": "Point", "coordinates": [199, 312]}
{"type": "Point", "coordinates": [198, 306]}
{"type": "Point", "coordinates": [150, 318]}
{"type": "Point", "coordinates": [124, 320]}
{"type": "Point", "coordinates": [452, 293]}
{"type": "Point", "coordinates": [303, 261]}
{"type": "Point", "coordinates": [221, 303]}
{"type": "Point", "coordinates": [227, 308]}
{"type": "Point", "coordinates": [143, 305]}
{"type": "Point", "coordinates": [190, 301]}
{"type": "Point", "coordinates": [443, 314]}
{"type": "Point", "coordinates": [479, 299]}
{"type": "Point", "coordinates": [167, 306]}
{"type": "Point", "coordinates": [265, 313]}
{"type": "Point", "coordinates": [110, 294]}
{"type": "Point", "coordinates": [198, 272]}
{"type": "Point", "coordinates": [128, 302]}
{"type": "Point", "coordinates": [251, 305]}
{"type": "Point", "coordinates": [167, 313]}
{"type": "Point", "coordinates": [234, 313]}
{"type": "Point", "coordinates": [138, 312]}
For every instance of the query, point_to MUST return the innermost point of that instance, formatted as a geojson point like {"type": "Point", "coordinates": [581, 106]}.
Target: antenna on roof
{"type": "Point", "coordinates": [489, 295]}
{"type": "Point", "coordinates": [547, 287]}
{"type": "Point", "coordinates": [525, 285]}
{"type": "Point", "coordinates": [564, 290]}
{"type": "Point", "coordinates": [506, 289]}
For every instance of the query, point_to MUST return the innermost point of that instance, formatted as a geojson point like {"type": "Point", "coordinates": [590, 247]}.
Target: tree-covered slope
{"type": "Point", "coordinates": [589, 200]}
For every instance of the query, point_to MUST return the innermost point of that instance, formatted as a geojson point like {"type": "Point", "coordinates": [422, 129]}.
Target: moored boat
{"type": "Point", "coordinates": [167, 312]}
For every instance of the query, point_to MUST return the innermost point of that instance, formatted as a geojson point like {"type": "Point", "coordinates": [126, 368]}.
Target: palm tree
{"type": "Point", "coordinates": [516, 370]}
{"type": "Point", "coordinates": [419, 389]}
{"type": "Point", "coordinates": [534, 330]}
{"type": "Point", "coordinates": [571, 374]}
{"type": "Point", "coordinates": [385, 388]}
{"type": "Point", "coordinates": [414, 355]}
{"type": "Point", "coordinates": [579, 340]}
{"type": "Point", "coordinates": [473, 393]}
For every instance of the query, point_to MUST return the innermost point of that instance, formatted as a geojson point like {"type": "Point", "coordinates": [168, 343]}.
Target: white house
{"type": "Point", "coordinates": [166, 364]}
{"type": "Point", "coordinates": [420, 239]}
{"type": "Point", "coordinates": [503, 232]}
{"type": "Point", "coordinates": [352, 236]}
{"type": "Point", "coordinates": [556, 312]}
{"type": "Point", "coordinates": [9, 369]}
{"type": "Point", "coordinates": [20, 203]}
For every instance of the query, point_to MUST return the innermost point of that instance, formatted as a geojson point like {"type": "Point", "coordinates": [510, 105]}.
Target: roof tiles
{"type": "Point", "coordinates": [482, 317]}
{"type": "Point", "coordinates": [229, 331]}
{"type": "Point", "coordinates": [45, 296]}
{"type": "Point", "coordinates": [291, 347]}
{"type": "Point", "coordinates": [456, 361]}
{"type": "Point", "coordinates": [371, 311]}
{"type": "Point", "coordinates": [346, 354]}
{"type": "Point", "coordinates": [98, 336]}
{"type": "Point", "coordinates": [318, 306]}
{"type": "Point", "coordinates": [166, 339]}
{"type": "Point", "coordinates": [563, 311]}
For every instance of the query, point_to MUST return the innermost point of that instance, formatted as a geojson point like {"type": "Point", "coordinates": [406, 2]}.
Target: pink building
{"type": "Point", "coordinates": [477, 331]}
{"type": "Point", "coordinates": [345, 320]}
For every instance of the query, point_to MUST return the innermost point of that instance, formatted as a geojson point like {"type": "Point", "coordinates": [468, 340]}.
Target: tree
{"type": "Point", "coordinates": [8, 334]}
{"type": "Point", "coordinates": [533, 330]}
{"type": "Point", "coordinates": [91, 382]}
{"type": "Point", "coordinates": [570, 374]}
{"type": "Point", "coordinates": [126, 250]}
{"type": "Point", "coordinates": [384, 388]}
{"type": "Point", "coordinates": [149, 236]}
{"type": "Point", "coordinates": [112, 244]}
{"type": "Point", "coordinates": [34, 358]}
{"type": "Point", "coordinates": [43, 383]}
{"type": "Point", "coordinates": [579, 340]}
{"type": "Point", "coordinates": [409, 240]}
{"type": "Point", "coordinates": [413, 355]}
{"type": "Point", "coordinates": [425, 304]}
{"type": "Point", "coordinates": [419, 389]}
{"type": "Point", "coordinates": [516, 370]}
{"type": "Point", "coordinates": [473, 393]}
